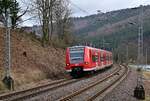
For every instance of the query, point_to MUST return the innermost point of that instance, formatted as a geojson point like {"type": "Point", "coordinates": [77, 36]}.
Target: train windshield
{"type": "Point", "coordinates": [77, 56]}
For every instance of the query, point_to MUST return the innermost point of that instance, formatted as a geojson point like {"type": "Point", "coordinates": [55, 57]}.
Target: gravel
{"type": "Point", "coordinates": [63, 91]}
{"type": "Point", "coordinates": [90, 92]}
{"type": "Point", "coordinates": [147, 87]}
{"type": "Point", "coordinates": [124, 91]}
{"type": "Point", "coordinates": [94, 90]}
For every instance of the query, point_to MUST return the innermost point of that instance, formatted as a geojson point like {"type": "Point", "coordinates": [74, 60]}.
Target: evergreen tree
{"type": "Point", "coordinates": [13, 5]}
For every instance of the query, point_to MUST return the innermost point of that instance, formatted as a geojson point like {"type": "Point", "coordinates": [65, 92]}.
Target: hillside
{"type": "Point", "coordinates": [116, 28]}
{"type": "Point", "coordinates": [30, 61]}
{"type": "Point", "coordinates": [94, 24]}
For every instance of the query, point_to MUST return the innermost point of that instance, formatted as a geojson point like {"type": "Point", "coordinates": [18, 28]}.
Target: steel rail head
{"type": "Point", "coordinates": [68, 97]}
{"type": "Point", "coordinates": [8, 95]}
{"type": "Point", "coordinates": [119, 79]}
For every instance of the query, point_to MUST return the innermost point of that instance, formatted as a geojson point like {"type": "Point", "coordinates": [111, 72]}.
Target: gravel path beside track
{"type": "Point", "coordinates": [124, 92]}
{"type": "Point", "coordinates": [147, 86]}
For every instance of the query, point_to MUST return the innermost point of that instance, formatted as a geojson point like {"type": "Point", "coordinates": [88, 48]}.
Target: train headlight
{"type": "Point", "coordinates": [67, 64]}
{"type": "Point", "coordinates": [86, 63]}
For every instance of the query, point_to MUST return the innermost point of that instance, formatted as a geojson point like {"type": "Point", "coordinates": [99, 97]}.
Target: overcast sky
{"type": "Point", "coordinates": [88, 7]}
{"type": "Point", "coordinates": [91, 6]}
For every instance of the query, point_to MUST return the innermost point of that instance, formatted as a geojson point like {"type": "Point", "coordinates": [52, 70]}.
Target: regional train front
{"type": "Point", "coordinates": [75, 60]}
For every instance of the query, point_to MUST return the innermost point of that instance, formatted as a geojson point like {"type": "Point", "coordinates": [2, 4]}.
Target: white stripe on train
{"type": "Point", "coordinates": [95, 68]}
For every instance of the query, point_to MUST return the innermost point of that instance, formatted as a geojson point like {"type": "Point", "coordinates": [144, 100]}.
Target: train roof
{"type": "Point", "coordinates": [89, 48]}
{"type": "Point", "coordinates": [77, 47]}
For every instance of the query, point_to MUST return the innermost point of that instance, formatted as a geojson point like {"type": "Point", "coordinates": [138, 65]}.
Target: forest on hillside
{"type": "Point", "coordinates": [115, 31]}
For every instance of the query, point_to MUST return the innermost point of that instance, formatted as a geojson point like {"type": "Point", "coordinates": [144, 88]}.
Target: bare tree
{"type": "Point", "coordinates": [62, 15]}
{"type": "Point", "coordinates": [51, 19]}
{"type": "Point", "coordinates": [44, 9]}
{"type": "Point", "coordinates": [52, 12]}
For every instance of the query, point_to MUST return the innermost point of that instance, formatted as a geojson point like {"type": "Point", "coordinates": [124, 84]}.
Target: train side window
{"type": "Point", "coordinates": [106, 56]}
{"type": "Point", "coordinates": [101, 57]}
{"type": "Point", "coordinates": [94, 58]}
{"type": "Point", "coordinates": [111, 58]}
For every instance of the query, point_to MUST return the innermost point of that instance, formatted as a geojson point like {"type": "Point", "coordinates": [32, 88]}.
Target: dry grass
{"type": "Point", "coordinates": [30, 61]}
{"type": "Point", "coordinates": [2, 86]}
{"type": "Point", "coordinates": [147, 98]}
{"type": "Point", "coordinates": [147, 74]}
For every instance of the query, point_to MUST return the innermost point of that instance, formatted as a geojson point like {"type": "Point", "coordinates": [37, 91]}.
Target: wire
{"type": "Point", "coordinates": [78, 7]}
{"type": "Point", "coordinates": [40, 6]}
{"type": "Point", "coordinates": [27, 19]}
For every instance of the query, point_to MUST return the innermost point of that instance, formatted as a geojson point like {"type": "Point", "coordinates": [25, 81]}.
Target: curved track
{"type": "Point", "coordinates": [32, 92]}
{"type": "Point", "coordinates": [104, 85]}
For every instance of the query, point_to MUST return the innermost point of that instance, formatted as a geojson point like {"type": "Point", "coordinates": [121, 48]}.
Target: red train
{"type": "Point", "coordinates": [80, 59]}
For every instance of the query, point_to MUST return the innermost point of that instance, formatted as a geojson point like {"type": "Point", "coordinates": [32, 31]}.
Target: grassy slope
{"type": "Point", "coordinates": [39, 63]}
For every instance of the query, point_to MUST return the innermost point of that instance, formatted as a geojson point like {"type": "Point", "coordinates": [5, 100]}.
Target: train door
{"type": "Point", "coordinates": [107, 59]}
{"type": "Point", "coordinates": [99, 59]}
{"type": "Point", "coordinates": [95, 59]}
{"type": "Point", "coordinates": [111, 59]}
{"type": "Point", "coordinates": [102, 59]}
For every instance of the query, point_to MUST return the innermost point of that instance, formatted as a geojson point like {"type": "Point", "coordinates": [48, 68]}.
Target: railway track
{"type": "Point", "coordinates": [102, 86]}
{"type": "Point", "coordinates": [32, 92]}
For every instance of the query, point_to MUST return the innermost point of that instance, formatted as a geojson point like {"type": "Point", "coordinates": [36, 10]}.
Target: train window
{"type": "Point", "coordinates": [107, 57]}
{"type": "Point", "coordinates": [94, 58]}
{"type": "Point", "coordinates": [111, 58]}
{"type": "Point", "coordinates": [102, 57]}
{"type": "Point", "coordinates": [76, 56]}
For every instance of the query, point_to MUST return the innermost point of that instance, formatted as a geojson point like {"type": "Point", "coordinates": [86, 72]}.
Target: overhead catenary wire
{"type": "Point", "coordinates": [27, 19]}
{"type": "Point", "coordinates": [73, 4]}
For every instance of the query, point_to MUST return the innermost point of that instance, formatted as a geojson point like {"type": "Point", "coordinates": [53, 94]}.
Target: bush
{"type": "Point", "coordinates": [59, 43]}
{"type": "Point", "coordinates": [2, 86]}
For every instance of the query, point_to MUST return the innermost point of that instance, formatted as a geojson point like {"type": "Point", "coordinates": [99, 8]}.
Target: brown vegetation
{"type": "Point", "coordinates": [30, 61]}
